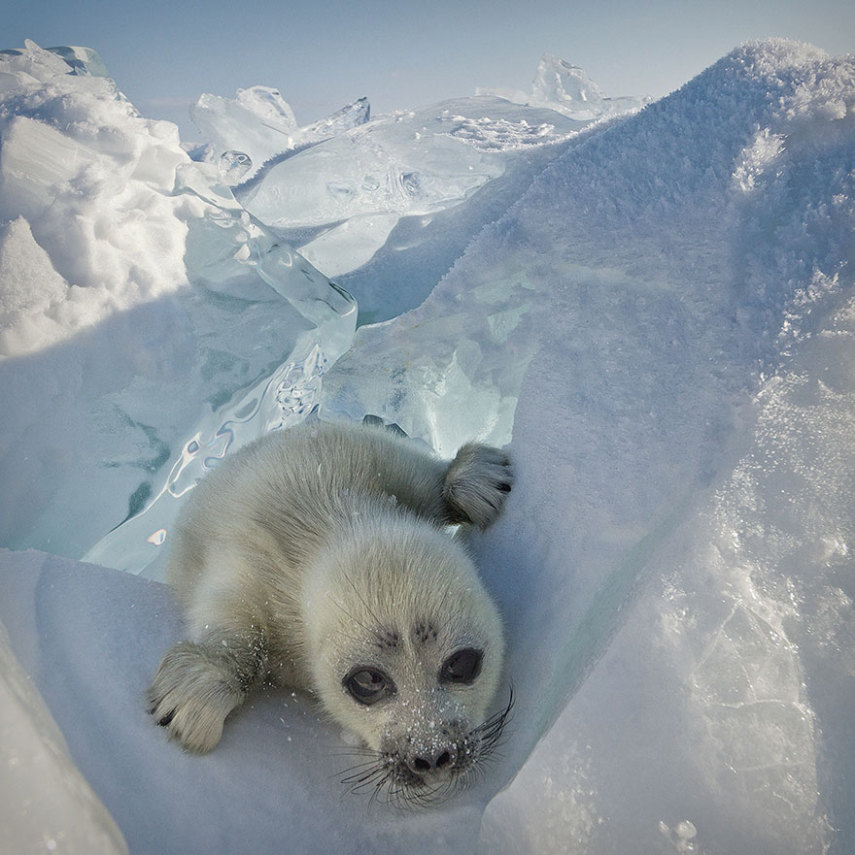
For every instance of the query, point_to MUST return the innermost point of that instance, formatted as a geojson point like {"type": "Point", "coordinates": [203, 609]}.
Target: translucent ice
{"type": "Point", "coordinates": [255, 294]}
{"type": "Point", "coordinates": [349, 116]}
{"type": "Point", "coordinates": [259, 124]}
{"type": "Point", "coordinates": [341, 200]}
{"type": "Point", "coordinates": [567, 89]}
{"type": "Point", "coordinates": [394, 165]}
{"type": "Point", "coordinates": [153, 313]}
{"type": "Point", "coordinates": [339, 188]}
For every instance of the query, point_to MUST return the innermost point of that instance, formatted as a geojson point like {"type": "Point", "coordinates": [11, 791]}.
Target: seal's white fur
{"type": "Point", "coordinates": [319, 549]}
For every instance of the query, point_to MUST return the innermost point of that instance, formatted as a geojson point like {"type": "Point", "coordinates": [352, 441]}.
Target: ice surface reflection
{"type": "Point", "coordinates": [282, 400]}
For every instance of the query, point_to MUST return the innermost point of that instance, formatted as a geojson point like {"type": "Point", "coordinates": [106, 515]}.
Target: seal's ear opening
{"type": "Point", "coordinates": [463, 666]}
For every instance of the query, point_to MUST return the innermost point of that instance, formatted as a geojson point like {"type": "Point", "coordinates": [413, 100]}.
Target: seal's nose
{"type": "Point", "coordinates": [428, 763]}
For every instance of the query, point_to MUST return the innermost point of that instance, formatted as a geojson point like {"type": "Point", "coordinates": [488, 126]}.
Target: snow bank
{"type": "Point", "coordinates": [626, 323]}
{"type": "Point", "coordinates": [661, 325]}
{"type": "Point", "coordinates": [85, 177]}
{"type": "Point", "coordinates": [90, 639]}
{"type": "Point", "coordinates": [46, 804]}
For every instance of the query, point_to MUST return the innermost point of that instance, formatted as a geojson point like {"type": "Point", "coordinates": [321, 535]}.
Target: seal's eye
{"type": "Point", "coordinates": [367, 685]}
{"type": "Point", "coordinates": [463, 666]}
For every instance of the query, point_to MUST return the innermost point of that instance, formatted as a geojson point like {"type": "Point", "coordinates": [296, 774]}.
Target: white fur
{"type": "Point", "coordinates": [322, 548]}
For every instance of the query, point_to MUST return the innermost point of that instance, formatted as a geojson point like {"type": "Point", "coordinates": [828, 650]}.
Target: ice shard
{"type": "Point", "coordinates": [258, 124]}
{"type": "Point", "coordinates": [568, 89]}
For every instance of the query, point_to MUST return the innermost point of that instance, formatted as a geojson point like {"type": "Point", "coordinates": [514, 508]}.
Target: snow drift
{"type": "Point", "coordinates": [655, 310]}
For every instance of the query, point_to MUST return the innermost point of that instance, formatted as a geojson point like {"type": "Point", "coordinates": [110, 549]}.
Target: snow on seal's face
{"type": "Point", "coordinates": [407, 651]}
{"type": "Point", "coordinates": [319, 559]}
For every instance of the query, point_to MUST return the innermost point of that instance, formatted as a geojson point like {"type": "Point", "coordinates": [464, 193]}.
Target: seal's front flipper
{"type": "Point", "coordinates": [194, 689]}
{"type": "Point", "coordinates": [476, 484]}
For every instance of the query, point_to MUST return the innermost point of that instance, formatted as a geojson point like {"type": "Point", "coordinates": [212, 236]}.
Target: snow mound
{"type": "Point", "coordinates": [92, 180]}
{"type": "Point", "coordinates": [624, 324]}
{"type": "Point", "coordinates": [60, 811]}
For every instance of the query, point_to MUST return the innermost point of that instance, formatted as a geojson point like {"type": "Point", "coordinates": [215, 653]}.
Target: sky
{"type": "Point", "coordinates": [323, 54]}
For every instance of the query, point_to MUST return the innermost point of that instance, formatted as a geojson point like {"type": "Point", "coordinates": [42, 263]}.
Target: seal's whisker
{"type": "Point", "coordinates": [361, 781]}
{"type": "Point", "coordinates": [359, 775]}
{"type": "Point", "coordinates": [389, 777]}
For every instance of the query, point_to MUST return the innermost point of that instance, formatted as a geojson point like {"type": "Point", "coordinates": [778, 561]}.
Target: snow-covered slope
{"type": "Point", "coordinates": [661, 325]}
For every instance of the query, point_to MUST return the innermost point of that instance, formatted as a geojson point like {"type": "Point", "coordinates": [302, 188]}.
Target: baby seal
{"type": "Point", "coordinates": [316, 558]}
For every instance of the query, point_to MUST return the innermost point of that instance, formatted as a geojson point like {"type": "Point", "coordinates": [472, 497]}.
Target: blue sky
{"type": "Point", "coordinates": [323, 54]}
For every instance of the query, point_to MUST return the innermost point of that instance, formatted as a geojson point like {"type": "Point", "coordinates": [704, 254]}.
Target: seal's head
{"type": "Point", "coordinates": [406, 652]}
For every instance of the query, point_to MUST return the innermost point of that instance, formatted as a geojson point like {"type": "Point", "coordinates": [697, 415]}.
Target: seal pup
{"type": "Point", "coordinates": [316, 558]}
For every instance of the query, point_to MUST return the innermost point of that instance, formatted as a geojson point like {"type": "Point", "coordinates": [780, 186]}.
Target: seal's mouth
{"type": "Point", "coordinates": [420, 779]}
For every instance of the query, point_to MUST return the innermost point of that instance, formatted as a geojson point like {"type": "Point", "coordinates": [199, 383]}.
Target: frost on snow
{"type": "Point", "coordinates": [653, 307]}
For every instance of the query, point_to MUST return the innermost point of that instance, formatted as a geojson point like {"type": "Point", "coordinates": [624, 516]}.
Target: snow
{"type": "Point", "coordinates": [653, 308]}
{"type": "Point", "coordinates": [59, 812]}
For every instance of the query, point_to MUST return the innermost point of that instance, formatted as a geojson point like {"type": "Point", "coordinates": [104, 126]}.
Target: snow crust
{"type": "Point", "coordinates": [655, 311]}
{"type": "Point", "coordinates": [46, 803]}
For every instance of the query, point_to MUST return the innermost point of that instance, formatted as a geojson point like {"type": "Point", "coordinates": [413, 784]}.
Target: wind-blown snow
{"type": "Point", "coordinates": [656, 311]}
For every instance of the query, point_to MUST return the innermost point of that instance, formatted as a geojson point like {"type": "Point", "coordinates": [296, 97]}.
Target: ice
{"type": "Point", "coordinates": [244, 132]}
{"type": "Point", "coordinates": [258, 123]}
{"type": "Point", "coordinates": [143, 311]}
{"type": "Point", "coordinates": [351, 193]}
{"type": "Point", "coordinates": [567, 89]}
{"type": "Point", "coordinates": [340, 200]}
{"type": "Point", "coordinates": [384, 170]}
{"type": "Point", "coordinates": [349, 116]}
{"type": "Point", "coordinates": [656, 311]}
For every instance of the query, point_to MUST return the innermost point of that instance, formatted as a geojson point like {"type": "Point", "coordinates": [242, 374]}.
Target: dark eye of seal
{"type": "Point", "coordinates": [368, 685]}
{"type": "Point", "coordinates": [463, 666]}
